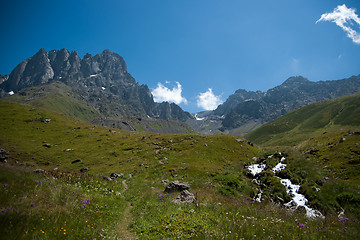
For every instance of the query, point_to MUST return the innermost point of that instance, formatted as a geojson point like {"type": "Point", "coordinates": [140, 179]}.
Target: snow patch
{"type": "Point", "coordinates": [103, 88]}
{"type": "Point", "coordinates": [11, 93]}
{"type": "Point", "coordinates": [93, 75]}
{"type": "Point", "coordinates": [198, 118]}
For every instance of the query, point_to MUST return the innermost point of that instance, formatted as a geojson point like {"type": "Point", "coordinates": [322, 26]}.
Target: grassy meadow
{"type": "Point", "coordinates": [63, 203]}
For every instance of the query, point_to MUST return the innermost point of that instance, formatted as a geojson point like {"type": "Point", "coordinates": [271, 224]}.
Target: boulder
{"type": "Point", "coordinates": [176, 186]}
{"type": "Point", "coordinates": [85, 169]}
{"type": "Point", "coordinates": [39, 170]}
{"type": "Point", "coordinates": [3, 155]}
{"type": "Point", "coordinates": [185, 197]}
{"type": "Point", "coordinates": [115, 175]}
{"type": "Point", "coordinates": [76, 161]}
{"type": "Point", "coordinates": [107, 178]}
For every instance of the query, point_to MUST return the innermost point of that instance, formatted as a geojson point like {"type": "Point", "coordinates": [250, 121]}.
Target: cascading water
{"type": "Point", "coordinates": [297, 199]}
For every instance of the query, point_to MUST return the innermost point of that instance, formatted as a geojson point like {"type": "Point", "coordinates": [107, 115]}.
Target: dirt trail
{"type": "Point", "coordinates": [123, 227]}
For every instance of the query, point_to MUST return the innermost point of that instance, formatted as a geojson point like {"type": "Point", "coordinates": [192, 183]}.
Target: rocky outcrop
{"type": "Point", "coordinates": [185, 197]}
{"type": "Point", "coordinates": [101, 80]}
{"type": "Point", "coordinates": [176, 186]}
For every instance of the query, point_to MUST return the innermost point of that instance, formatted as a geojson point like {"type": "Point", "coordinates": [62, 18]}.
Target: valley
{"type": "Point", "coordinates": [58, 181]}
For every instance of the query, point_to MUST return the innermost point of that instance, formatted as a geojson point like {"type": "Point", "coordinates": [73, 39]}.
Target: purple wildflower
{"type": "Point", "coordinates": [36, 181]}
{"type": "Point", "coordinates": [105, 205]}
{"type": "Point", "coordinates": [345, 228]}
{"type": "Point", "coordinates": [6, 185]}
{"type": "Point", "coordinates": [3, 211]}
{"type": "Point", "coordinates": [17, 211]}
{"type": "Point", "coordinates": [32, 204]}
{"type": "Point", "coordinates": [300, 225]}
{"type": "Point", "coordinates": [73, 192]}
{"type": "Point", "coordinates": [344, 220]}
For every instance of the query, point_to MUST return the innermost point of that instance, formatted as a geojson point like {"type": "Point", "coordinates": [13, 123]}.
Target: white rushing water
{"type": "Point", "coordinates": [256, 168]}
{"type": "Point", "coordinates": [297, 199]}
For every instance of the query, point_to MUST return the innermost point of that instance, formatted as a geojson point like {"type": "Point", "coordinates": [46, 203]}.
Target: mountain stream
{"type": "Point", "coordinates": [297, 199]}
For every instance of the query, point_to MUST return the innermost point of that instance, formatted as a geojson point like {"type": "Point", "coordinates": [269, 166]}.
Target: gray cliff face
{"type": "Point", "coordinates": [101, 80]}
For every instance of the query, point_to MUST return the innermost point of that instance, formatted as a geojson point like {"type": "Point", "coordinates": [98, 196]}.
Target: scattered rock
{"type": "Point", "coordinates": [3, 155]}
{"type": "Point", "coordinates": [164, 181]}
{"type": "Point", "coordinates": [68, 150]}
{"type": "Point", "coordinates": [176, 186]}
{"type": "Point", "coordinates": [46, 120]}
{"type": "Point", "coordinates": [250, 143]}
{"type": "Point", "coordinates": [170, 141]}
{"type": "Point", "coordinates": [312, 151]}
{"type": "Point", "coordinates": [342, 140]}
{"type": "Point", "coordinates": [185, 197]}
{"type": "Point", "coordinates": [85, 169]}
{"type": "Point", "coordinates": [76, 161]}
{"type": "Point", "coordinates": [47, 145]}
{"type": "Point", "coordinates": [107, 178]}
{"type": "Point", "coordinates": [239, 140]}
{"type": "Point", "coordinates": [39, 170]}
{"type": "Point", "coordinates": [112, 131]}
{"type": "Point", "coordinates": [115, 175]}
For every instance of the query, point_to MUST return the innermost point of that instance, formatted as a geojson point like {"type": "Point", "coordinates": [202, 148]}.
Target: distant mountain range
{"type": "Point", "coordinates": [306, 122]}
{"type": "Point", "coordinates": [245, 110]}
{"type": "Point", "coordinates": [99, 86]}
{"type": "Point", "coordinates": [99, 89]}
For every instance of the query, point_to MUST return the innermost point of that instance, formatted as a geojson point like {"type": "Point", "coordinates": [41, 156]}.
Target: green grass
{"type": "Point", "coordinates": [310, 121]}
{"type": "Point", "coordinates": [213, 165]}
{"type": "Point", "coordinates": [58, 97]}
{"type": "Point", "coordinates": [52, 206]}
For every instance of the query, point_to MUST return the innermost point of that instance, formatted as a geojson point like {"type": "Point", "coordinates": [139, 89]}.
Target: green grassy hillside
{"type": "Point", "coordinates": [310, 121]}
{"type": "Point", "coordinates": [56, 96]}
{"type": "Point", "coordinates": [65, 203]}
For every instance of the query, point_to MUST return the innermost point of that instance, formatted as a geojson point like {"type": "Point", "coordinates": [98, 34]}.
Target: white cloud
{"type": "Point", "coordinates": [345, 18]}
{"type": "Point", "coordinates": [208, 100]}
{"type": "Point", "coordinates": [164, 94]}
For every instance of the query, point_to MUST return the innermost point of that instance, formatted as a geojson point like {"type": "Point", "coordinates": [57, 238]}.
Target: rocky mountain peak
{"type": "Point", "coordinates": [295, 80]}
{"type": "Point", "coordinates": [101, 80]}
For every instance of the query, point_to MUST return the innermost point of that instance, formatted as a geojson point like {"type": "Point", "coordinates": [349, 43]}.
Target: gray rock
{"type": "Point", "coordinates": [85, 169]}
{"type": "Point", "coordinates": [39, 170]}
{"type": "Point", "coordinates": [185, 197]}
{"type": "Point", "coordinates": [76, 161]}
{"type": "Point", "coordinates": [115, 175]}
{"type": "Point", "coordinates": [47, 145]}
{"type": "Point", "coordinates": [107, 178]}
{"type": "Point", "coordinates": [176, 186]}
{"type": "Point", "coordinates": [3, 155]}
{"type": "Point", "coordinates": [164, 181]}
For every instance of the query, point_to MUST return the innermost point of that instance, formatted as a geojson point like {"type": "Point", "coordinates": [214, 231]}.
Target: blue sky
{"type": "Point", "coordinates": [195, 45]}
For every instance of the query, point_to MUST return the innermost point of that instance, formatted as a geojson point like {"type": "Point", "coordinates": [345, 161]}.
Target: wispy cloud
{"type": "Point", "coordinates": [164, 94]}
{"type": "Point", "coordinates": [345, 18]}
{"type": "Point", "coordinates": [208, 100]}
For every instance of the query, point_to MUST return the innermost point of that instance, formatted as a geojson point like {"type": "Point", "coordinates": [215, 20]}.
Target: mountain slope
{"type": "Point", "coordinates": [243, 111]}
{"type": "Point", "coordinates": [66, 202]}
{"type": "Point", "coordinates": [308, 121]}
{"type": "Point", "coordinates": [58, 97]}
